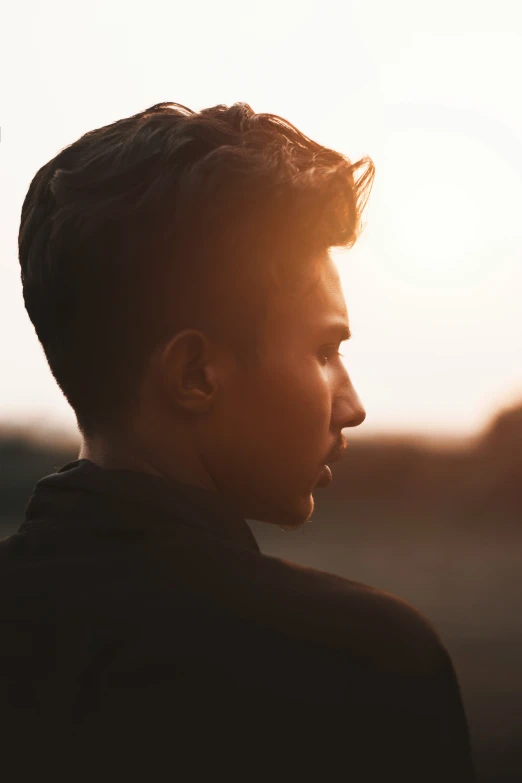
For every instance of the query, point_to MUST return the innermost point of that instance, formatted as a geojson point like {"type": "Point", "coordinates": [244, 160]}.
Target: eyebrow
{"type": "Point", "coordinates": [339, 330]}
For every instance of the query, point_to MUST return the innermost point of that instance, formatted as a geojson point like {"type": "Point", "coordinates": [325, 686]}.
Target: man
{"type": "Point", "coordinates": [176, 268]}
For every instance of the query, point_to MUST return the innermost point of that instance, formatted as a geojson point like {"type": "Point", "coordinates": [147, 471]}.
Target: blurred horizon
{"type": "Point", "coordinates": [41, 431]}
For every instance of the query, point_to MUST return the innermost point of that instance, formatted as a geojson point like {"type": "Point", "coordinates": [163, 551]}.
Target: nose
{"type": "Point", "coordinates": [353, 412]}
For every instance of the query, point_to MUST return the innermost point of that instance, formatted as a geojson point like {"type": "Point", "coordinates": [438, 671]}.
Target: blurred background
{"type": "Point", "coordinates": [428, 502]}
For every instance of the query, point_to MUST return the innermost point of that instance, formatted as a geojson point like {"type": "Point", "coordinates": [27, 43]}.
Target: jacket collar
{"type": "Point", "coordinates": [130, 496]}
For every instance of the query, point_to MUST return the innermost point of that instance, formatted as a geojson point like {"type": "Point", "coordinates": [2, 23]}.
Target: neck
{"type": "Point", "coordinates": [114, 454]}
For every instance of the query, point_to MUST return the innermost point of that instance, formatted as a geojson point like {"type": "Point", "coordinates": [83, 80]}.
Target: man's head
{"type": "Point", "coordinates": [175, 266]}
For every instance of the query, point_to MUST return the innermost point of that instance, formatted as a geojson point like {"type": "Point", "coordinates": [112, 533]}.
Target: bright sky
{"type": "Point", "coordinates": [430, 90]}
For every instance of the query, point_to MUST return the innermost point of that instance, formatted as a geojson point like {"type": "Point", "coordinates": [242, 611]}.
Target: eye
{"type": "Point", "coordinates": [330, 353]}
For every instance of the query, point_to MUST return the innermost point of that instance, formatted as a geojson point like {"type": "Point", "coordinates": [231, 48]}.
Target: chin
{"type": "Point", "coordinates": [294, 517]}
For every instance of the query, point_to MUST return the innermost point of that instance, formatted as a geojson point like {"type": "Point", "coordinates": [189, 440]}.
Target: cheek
{"type": "Point", "coordinates": [294, 400]}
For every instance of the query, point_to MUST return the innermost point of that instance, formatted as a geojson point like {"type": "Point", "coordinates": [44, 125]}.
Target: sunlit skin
{"type": "Point", "coordinates": [258, 437]}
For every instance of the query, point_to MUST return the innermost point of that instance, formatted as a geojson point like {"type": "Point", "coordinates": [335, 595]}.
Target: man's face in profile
{"type": "Point", "coordinates": [271, 432]}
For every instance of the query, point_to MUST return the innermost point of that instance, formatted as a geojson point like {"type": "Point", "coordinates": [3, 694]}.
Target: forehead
{"type": "Point", "coordinates": [319, 307]}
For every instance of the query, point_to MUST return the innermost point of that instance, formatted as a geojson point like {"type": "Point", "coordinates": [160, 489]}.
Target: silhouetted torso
{"type": "Point", "coordinates": [142, 631]}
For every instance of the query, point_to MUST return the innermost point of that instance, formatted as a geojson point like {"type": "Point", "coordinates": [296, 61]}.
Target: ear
{"type": "Point", "coordinates": [186, 371]}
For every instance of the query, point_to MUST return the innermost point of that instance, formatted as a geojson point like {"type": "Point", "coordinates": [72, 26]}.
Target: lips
{"type": "Point", "coordinates": [325, 477]}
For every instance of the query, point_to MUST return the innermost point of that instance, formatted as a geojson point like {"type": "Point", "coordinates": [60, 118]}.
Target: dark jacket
{"type": "Point", "coordinates": [143, 633]}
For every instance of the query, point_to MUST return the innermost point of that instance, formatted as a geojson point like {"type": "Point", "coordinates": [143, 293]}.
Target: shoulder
{"type": "Point", "coordinates": [373, 626]}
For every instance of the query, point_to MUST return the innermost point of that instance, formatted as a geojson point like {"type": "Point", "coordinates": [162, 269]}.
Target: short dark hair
{"type": "Point", "coordinates": [162, 220]}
